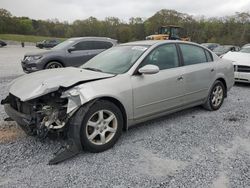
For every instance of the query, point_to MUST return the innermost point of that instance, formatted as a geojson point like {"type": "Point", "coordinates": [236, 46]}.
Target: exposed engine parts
{"type": "Point", "coordinates": [44, 114]}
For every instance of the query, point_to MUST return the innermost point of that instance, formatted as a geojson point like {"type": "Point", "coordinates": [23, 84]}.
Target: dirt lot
{"type": "Point", "coordinates": [192, 148]}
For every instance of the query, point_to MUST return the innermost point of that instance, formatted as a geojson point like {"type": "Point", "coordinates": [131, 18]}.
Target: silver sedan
{"type": "Point", "coordinates": [120, 87]}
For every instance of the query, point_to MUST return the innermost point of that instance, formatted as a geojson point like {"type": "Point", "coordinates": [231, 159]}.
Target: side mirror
{"type": "Point", "coordinates": [149, 69]}
{"type": "Point", "coordinates": [71, 49]}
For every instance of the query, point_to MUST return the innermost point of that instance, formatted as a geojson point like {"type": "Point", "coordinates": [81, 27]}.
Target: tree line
{"type": "Point", "coordinates": [233, 29]}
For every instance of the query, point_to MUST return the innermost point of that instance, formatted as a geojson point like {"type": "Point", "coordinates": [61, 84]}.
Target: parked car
{"type": "Point", "coordinates": [210, 46]}
{"type": "Point", "coordinates": [241, 63]}
{"type": "Point", "coordinates": [246, 45]}
{"type": "Point", "coordinates": [2, 43]}
{"type": "Point", "coordinates": [72, 52]}
{"type": "Point", "coordinates": [245, 49]}
{"type": "Point", "coordinates": [220, 50]}
{"type": "Point", "coordinates": [117, 89]}
{"type": "Point", "coordinates": [48, 43]}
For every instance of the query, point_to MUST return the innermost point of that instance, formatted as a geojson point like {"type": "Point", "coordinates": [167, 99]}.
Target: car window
{"type": "Point", "coordinates": [116, 60]}
{"type": "Point", "coordinates": [165, 57]}
{"type": "Point", "coordinates": [102, 45]}
{"type": "Point", "coordinates": [192, 54]}
{"type": "Point", "coordinates": [84, 45]}
{"type": "Point", "coordinates": [209, 56]}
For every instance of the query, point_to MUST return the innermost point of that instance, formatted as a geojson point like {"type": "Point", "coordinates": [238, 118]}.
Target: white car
{"type": "Point", "coordinates": [241, 63]}
{"type": "Point", "coordinates": [245, 49]}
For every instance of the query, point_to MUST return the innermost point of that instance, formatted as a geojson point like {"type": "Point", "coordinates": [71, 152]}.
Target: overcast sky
{"type": "Point", "coordinates": [70, 10]}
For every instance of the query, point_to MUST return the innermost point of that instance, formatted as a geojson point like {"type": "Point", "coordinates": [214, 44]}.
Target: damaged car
{"type": "Point", "coordinates": [121, 87]}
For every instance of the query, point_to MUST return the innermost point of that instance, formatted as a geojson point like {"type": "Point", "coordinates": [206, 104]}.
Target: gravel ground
{"type": "Point", "coordinates": [191, 148]}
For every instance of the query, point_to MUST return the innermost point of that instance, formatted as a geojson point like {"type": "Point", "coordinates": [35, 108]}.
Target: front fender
{"type": "Point", "coordinates": [82, 94]}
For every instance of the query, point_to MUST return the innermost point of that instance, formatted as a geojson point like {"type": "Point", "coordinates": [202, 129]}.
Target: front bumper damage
{"type": "Point", "coordinates": [20, 118]}
{"type": "Point", "coordinates": [45, 115]}
{"type": "Point", "coordinates": [24, 120]}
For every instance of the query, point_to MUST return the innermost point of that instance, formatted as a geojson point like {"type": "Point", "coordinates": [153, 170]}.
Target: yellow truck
{"type": "Point", "coordinates": [170, 32]}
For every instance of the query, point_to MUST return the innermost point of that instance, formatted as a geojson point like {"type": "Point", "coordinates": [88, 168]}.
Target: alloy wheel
{"type": "Point", "coordinates": [54, 65]}
{"type": "Point", "coordinates": [217, 96]}
{"type": "Point", "coordinates": [101, 127]}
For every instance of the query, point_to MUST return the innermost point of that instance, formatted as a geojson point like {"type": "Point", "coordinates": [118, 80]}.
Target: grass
{"type": "Point", "coordinates": [25, 38]}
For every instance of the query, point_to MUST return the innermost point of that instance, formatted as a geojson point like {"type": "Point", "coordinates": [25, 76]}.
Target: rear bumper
{"type": "Point", "coordinates": [20, 118]}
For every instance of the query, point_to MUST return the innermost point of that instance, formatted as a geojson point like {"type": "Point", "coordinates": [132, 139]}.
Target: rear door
{"type": "Point", "coordinates": [81, 53]}
{"type": "Point", "coordinates": [86, 50]}
{"type": "Point", "coordinates": [199, 72]}
{"type": "Point", "coordinates": [98, 47]}
{"type": "Point", "coordinates": [153, 94]}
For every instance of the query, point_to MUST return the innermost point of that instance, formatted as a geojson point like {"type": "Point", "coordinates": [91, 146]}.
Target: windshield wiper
{"type": "Point", "coordinates": [93, 69]}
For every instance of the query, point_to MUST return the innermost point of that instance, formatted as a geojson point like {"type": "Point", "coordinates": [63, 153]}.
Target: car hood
{"type": "Point", "coordinates": [42, 53]}
{"type": "Point", "coordinates": [36, 84]}
{"type": "Point", "coordinates": [238, 58]}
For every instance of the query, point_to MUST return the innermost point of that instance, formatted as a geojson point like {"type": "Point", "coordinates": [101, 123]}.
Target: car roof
{"type": "Point", "coordinates": [154, 42]}
{"type": "Point", "coordinates": [91, 38]}
{"type": "Point", "coordinates": [209, 43]}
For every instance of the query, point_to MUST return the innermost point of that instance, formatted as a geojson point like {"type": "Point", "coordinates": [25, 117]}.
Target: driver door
{"type": "Point", "coordinates": [162, 91]}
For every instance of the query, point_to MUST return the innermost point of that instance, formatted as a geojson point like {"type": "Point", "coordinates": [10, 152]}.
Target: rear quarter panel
{"type": "Point", "coordinates": [225, 70]}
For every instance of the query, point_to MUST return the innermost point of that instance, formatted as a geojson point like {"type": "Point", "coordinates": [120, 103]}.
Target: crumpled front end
{"type": "Point", "coordinates": [48, 114]}
{"type": "Point", "coordinates": [38, 116]}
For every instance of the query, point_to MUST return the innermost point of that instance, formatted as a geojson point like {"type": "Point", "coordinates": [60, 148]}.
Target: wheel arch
{"type": "Point", "coordinates": [224, 83]}
{"type": "Point", "coordinates": [51, 60]}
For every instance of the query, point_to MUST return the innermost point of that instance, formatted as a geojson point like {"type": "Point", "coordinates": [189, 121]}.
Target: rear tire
{"type": "Point", "coordinates": [216, 96]}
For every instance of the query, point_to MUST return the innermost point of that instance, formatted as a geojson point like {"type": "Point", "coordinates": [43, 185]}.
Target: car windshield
{"type": "Point", "coordinates": [63, 45]}
{"type": "Point", "coordinates": [245, 50]}
{"type": "Point", "coordinates": [164, 30]}
{"type": "Point", "coordinates": [222, 49]}
{"type": "Point", "coordinates": [116, 60]}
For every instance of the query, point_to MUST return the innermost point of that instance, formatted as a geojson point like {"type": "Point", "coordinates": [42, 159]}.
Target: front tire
{"type": "Point", "coordinates": [216, 96]}
{"type": "Point", "coordinates": [53, 65]}
{"type": "Point", "coordinates": [101, 126]}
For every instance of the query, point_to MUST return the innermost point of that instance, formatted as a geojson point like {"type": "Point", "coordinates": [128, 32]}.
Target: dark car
{"type": "Point", "coordinates": [48, 43]}
{"type": "Point", "coordinates": [220, 50]}
{"type": "Point", "coordinates": [210, 46]}
{"type": "Point", "coordinates": [72, 52]}
{"type": "Point", "coordinates": [2, 43]}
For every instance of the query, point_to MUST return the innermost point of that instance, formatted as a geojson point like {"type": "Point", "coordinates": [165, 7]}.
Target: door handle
{"type": "Point", "coordinates": [212, 70]}
{"type": "Point", "coordinates": [180, 78]}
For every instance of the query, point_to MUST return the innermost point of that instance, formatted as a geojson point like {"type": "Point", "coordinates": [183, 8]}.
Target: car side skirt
{"type": "Point", "coordinates": [163, 113]}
